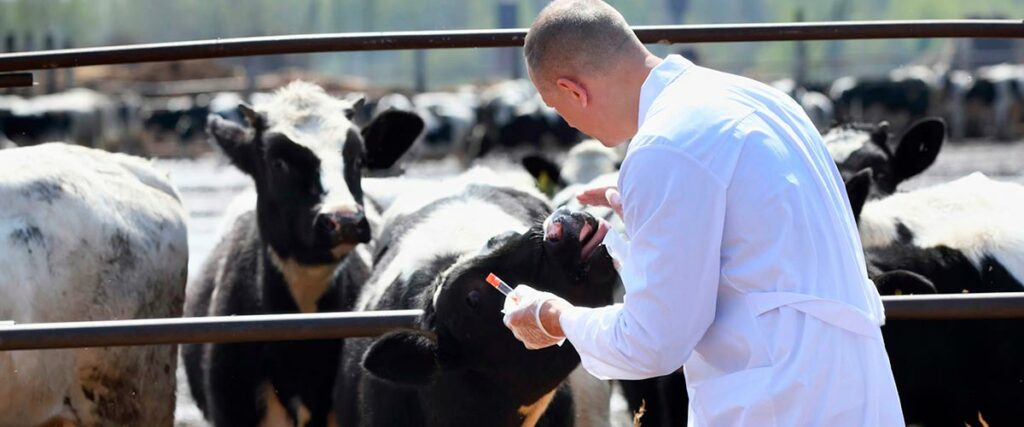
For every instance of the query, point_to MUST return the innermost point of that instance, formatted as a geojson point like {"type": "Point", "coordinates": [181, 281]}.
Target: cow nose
{"type": "Point", "coordinates": [343, 227]}
{"type": "Point", "coordinates": [554, 232]}
{"type": "Point", "coordinates": [562, 221]}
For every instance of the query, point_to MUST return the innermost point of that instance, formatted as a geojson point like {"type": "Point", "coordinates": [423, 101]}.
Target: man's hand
{"type": "Point", "coordinates": [532, 316]}
{"type": "Point", "coordinates": [602, 196]}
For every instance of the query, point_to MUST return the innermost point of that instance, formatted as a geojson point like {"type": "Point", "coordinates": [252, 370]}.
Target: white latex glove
{"type": "Point", "coordinates": [617, 245]}
{"type": "Point", "coordinates": [522, 317]}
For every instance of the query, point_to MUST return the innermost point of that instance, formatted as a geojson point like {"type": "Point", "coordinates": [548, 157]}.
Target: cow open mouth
{"type": "Point", "coordinates": [591, 235]}
{"type": "Point", "coordinates": [564, 226]}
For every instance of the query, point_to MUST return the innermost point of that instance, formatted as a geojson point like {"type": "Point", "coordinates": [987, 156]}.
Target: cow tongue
{"type": "Point", "coordinates": [592, 239]}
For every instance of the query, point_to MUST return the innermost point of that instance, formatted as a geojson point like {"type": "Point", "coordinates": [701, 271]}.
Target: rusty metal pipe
{"type": "Point", "coordinates": [16, 80]}
{"type": "Point", "coordinates": [287, 327]}
{"type": "Point", "coordinates": [341, 42]}
{"type": "Point", "coordinates": [274, 327]}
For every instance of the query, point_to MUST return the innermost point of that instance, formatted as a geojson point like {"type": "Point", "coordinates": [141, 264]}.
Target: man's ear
{"type": "Point", "coordinates": [234, 140]}
{"type": "Point", "coordinates": [575, 90]}
{"type": "Point", "coordinates": [405, 358]}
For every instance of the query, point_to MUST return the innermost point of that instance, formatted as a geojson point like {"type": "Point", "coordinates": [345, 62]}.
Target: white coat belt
{"type": "Point", "coordinates": [833, 312]}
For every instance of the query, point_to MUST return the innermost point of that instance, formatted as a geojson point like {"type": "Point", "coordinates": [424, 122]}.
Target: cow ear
{"type": "Point", "coordinates": [235, 141]}
{"type": "Point", "coordinates": [918, 147]}
{"type": "Point", "coordinates": [903, 282]}
{"type": "Point", "coordinates": [256, 120]}
{"type": "Point", "coordinates": [496, 241]}
{"type": "Point", "coordinates": [546, 172]}
{"type": "Point", "coordinates": [388, 137]}
{"type": "Point", "coordinates": [404, 358]}
{"type": "Point", "coordinates": [536, 165]}
{"type": "Point", "coordinates": [857, 189]}
{"type": "Point", "coordinates": [357, 104]}
{"type": "Point", "coordinates": [880, 136]}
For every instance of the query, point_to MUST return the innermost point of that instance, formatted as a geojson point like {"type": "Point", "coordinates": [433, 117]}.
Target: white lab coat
{"type": "Point", "coordinates": [743, 262]}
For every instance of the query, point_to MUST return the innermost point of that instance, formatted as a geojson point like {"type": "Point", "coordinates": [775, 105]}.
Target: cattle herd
{"type": "Point", "coordinates": [470, 121]}
{"type": "Point", "coordinates": [331, 223]}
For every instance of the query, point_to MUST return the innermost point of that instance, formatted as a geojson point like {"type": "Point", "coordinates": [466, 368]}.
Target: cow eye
{"type": "Point", "coordinates": [473, 299]}
{"type": "Point", "coordinates": [279, 166]}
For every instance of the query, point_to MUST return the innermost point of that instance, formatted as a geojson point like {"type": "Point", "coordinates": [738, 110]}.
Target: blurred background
{"type": "Point", "coordinates": [476, 105]}
{"type": "Point", "coordinates": [36, 24]}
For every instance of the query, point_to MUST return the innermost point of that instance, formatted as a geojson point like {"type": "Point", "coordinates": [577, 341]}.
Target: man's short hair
{"type": "Point", "coordinates": [573, 36]}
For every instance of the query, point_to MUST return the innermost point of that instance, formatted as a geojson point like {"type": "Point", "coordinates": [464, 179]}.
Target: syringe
{"type": "Point", "coordinates": [499, 284]}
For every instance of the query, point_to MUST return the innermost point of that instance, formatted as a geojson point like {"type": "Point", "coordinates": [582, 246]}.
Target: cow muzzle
{"type": "Point", "coordinates": [343, 227]}
{"type": "Point", "coordinates": [579, 228]}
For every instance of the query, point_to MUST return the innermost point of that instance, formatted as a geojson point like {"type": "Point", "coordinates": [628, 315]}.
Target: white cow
{"type": "Point", "coordinates": [88, 235]}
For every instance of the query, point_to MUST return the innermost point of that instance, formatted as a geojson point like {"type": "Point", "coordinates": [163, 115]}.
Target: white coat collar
{"type": "Point", "coordinates": [660, 77]}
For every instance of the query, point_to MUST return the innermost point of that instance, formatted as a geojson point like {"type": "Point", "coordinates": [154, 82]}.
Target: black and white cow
{"type": "Point", "coordinates": [855, 147]}
{"type": "Point", "coordinates": [585, 162]}
{"type": "Point", "coordinates": [180, 118]}
{"type": "Point", "coordinates": [970, 226]}
{"type": "Point", "coordinates": [306, 159]}
{"type": "Point", "coordinates": [904, 95]}
{"type": "Point", "coordinates": [88, 235]}
{"type": "Point", "coordinates": [80, 116]}
{"type": "Point", "coordinates": [994, 103]}
{"type": "Point", "coordinates": [512, 114]}
{"type": "Point", "coordinates": [450, 117]}
{"type": "Point", "coordinates": [960, 236]}
{"type": "Point", "coordinates": [464, 367]}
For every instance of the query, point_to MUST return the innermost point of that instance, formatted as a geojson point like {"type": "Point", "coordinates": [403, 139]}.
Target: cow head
{"type": "Point", "coordinates": [465, 339]}
{"type": "Point", "coordinates": [855, 147]}
{"type": "Point", "coordinates": [306, 158]}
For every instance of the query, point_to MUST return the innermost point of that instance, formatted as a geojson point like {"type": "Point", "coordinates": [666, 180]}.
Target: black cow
{"type": "Point", "coordinates": [181, 116]}
{"type": "Point", "coordinates": [464, 367]}
{"type": "Point", "coordinates": [858, 146]}
{"type": "Point", "coordinates": [306, 159]}
{"type": "Point", "coordinates": [512, 114]}
{"type": "Point", "coordinates": [961, 236]}
{"type": "Point", "coordinates": [591, 164]}
{"type": "Point", "coordinates": [79, 116]}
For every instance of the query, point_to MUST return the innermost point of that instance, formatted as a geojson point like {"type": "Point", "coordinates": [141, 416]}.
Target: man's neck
{"type": "Point", "coordinates": [635, 80]}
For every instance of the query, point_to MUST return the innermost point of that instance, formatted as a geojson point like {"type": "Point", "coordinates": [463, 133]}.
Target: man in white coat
{"type": "Point", "coordinates": [743, 259]}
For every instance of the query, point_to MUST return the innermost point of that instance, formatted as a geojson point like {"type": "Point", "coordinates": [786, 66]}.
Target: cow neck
{"type": "Point", "coordinates": [306, 282]}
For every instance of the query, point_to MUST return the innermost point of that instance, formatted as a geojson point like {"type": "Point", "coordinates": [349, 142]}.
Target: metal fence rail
{"type": "Point", "coordinates": [338, 42]}
{"type": "Point", "coordinates": [1006, 305]}
{"type": "Point", "coordinates": [272, 327]}
{"type": "Point", "coordinates": [287, 327]}
{"type": "Point", "coordinates": [16, 80]}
